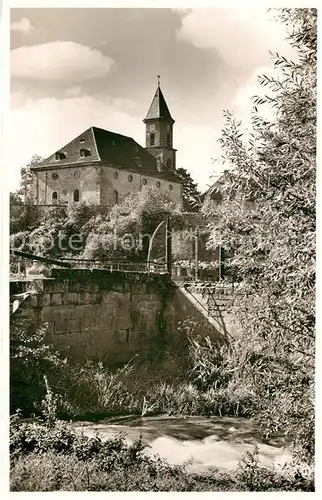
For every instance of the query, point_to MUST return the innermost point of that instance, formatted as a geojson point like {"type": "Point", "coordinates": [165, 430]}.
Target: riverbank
{"type": "Point", "coordinates": [57, 458]}
{"type": "Point", "coordinates": [206, 384]}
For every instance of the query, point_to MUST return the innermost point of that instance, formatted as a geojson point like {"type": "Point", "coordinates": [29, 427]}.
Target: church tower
{"type": "Point", "coordinates": [159, 132]}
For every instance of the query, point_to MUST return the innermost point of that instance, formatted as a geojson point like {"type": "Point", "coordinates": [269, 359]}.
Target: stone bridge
{"type": "Point", "coordinates": [101, 314]}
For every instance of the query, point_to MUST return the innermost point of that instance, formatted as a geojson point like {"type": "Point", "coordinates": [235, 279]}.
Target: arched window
{"type": "Point", "coordinates": [169, 140]}
{"type": "Point", "coordinates": [169, 164]}
{"type": "Point", "coordinates": [116, 197]}
{"type": "Point", "coordinates": [152, 139]}
{"type": "Point", "coordinates": [76, 195]}
{"type": "Point", "coordinates": [54, 197]}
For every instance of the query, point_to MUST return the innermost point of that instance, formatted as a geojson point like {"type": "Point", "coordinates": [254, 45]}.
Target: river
{"type": "Point", "coordinates": [204, 442]}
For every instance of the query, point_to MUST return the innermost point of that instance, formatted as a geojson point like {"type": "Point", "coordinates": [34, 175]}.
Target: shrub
{"type": "Point", "coordinates": [30, 359]}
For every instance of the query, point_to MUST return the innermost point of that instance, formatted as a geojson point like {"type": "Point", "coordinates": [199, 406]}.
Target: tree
{"type": "Point", "coordinates": [126, 230]}
{"type": "Point", "coordinates": [190, 192]}
{"type": "Point", "coordinates": [80, 231]}
{"type": "Point", "coordinates": [22, 217]}
{"type": "Point", "coordinates": [31, 357]}
{"type": "Point", "coordinates": [268, 227]}
{"type": "Point", "coordinates": [24, 194]}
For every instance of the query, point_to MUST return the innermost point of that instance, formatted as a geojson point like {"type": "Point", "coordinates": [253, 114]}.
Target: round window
{"type": "Point", "coordinates": [76, 174]}
{"type": "Point", "coordinates": [144, 181]}
{"type": "Point", "coordinates": [130, 178]}
{"type": "Point", "coordinates": [115, 175]}
{"type": "Point", "coordinates": [55, 176]}
{"type": "Point", "coordinates": [158, 184]}
{"type": "Point", "coordinates": [170, 187]}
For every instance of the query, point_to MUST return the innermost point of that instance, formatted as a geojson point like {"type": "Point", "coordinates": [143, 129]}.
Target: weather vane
{"type": "Point", "coordinates": [158, 80]}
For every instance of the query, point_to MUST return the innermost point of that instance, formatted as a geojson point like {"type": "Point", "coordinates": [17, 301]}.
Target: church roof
{"type": "Point", "coordinates": [96, 145]}
{"type": "Point", "coordinates": [158, 108]}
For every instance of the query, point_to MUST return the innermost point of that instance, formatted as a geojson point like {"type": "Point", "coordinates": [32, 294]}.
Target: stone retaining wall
{"type": "Point", "coordinates": [111, 315]}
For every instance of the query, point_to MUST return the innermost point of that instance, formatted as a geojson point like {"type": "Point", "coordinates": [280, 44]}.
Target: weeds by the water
{"type": "Point", "coordinates": [95, 390]}
{"type": "Point", "coordinates": [190, 382]}
{"type": "Point", "coordinates": [55, 458]}
{"type": "Point", "coordinates": [205, 380]}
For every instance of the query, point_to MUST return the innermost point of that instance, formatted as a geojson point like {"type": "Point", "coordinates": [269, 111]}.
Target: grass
{"type": "Point", "coordinates": [93, 391]}
{"type": "Point", "coordinates": [189, 379]}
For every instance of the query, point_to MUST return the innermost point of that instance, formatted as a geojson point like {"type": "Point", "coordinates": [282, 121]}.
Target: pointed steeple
{"type": "Point", "coordinates": [159, 131]}
{"type": "Point", "coordinates": [158, 109]}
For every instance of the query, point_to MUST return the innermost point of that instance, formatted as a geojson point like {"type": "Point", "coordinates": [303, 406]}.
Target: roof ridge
{"type": "Point", "coordinates": [109, 132]}
{"type": "Point", "coordinates": [95, 144]}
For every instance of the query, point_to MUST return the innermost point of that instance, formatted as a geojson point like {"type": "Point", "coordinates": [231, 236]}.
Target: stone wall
{"type": "Point", "coordinates": [188, 314]}
{"type": "Point", "coordinates": [102, 315]}
{"type": "Point", "coordinates": [64, 180]}
{"type": "Point", "coordinates": [96, 184]}
{"type": "Point", "coordinates": [111, 316]}
{"type": "Point", "coordinates": [124, 182]}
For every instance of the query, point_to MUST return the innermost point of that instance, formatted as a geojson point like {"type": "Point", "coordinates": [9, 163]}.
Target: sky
{"type": "Point", "coordinates": [73, 68]}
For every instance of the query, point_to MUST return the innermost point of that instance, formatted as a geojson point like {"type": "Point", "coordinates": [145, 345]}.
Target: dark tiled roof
{"type": "Point", "coordinates": [107, 148]}
{"type": "Point", "coordinates": [122, 150]}
{"type": "Point", "coordinates": [158, 108]}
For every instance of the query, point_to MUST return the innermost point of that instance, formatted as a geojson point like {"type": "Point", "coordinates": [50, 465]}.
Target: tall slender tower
{"type": "Point", "coordinates": [159, 131]}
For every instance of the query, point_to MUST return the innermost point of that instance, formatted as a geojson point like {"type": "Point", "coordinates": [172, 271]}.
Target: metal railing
{"type": "Point", "coordinates": [117, 265]}
{"type": "Point", "coordinates": [78, 263]}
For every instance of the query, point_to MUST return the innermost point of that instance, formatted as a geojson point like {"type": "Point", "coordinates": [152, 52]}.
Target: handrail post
{"type": "Point", "coordinates": [168, 236]}
{"type": "Point", "coordinates": [196, 255]}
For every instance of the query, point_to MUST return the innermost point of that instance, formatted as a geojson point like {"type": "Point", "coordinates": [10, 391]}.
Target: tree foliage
{"type": "Point", "coordinates": [31, 357]}
{"type": "Point", "coordinates": [268, 227]}
{"type": "Point", "coordinates": [21, 215]}
{"type": "Point", "coordinates": [190, 193]}
{"type": "Point", "coordinates": [126, 230]}
{"type": "Point", "coordinates": [80, 230]}
{"type": "Point", "coordinates": [23, 195]}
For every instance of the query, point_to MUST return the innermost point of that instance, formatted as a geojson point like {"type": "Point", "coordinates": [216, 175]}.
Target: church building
{"type": "Point", "coordinates": [102, 167]}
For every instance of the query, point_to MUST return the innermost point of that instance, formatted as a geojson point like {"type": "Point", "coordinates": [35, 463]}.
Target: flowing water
{"type": "Point", "coordinates": [204, 442]}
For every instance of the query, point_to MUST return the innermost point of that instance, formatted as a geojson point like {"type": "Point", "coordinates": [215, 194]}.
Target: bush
{"type": "Point", "coordinates": [31, 358]}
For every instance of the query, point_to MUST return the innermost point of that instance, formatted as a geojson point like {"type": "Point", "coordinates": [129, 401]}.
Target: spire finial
{"type": "Point", "coordinates": [158, 80]}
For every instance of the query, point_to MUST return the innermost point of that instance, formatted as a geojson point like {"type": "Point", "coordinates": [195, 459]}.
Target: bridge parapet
{"type": "Point", "coordinates": [100, 314]}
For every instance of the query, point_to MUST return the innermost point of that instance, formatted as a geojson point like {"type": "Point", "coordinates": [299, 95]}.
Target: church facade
{"type": "Point", "coordinates": [100, 167]}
